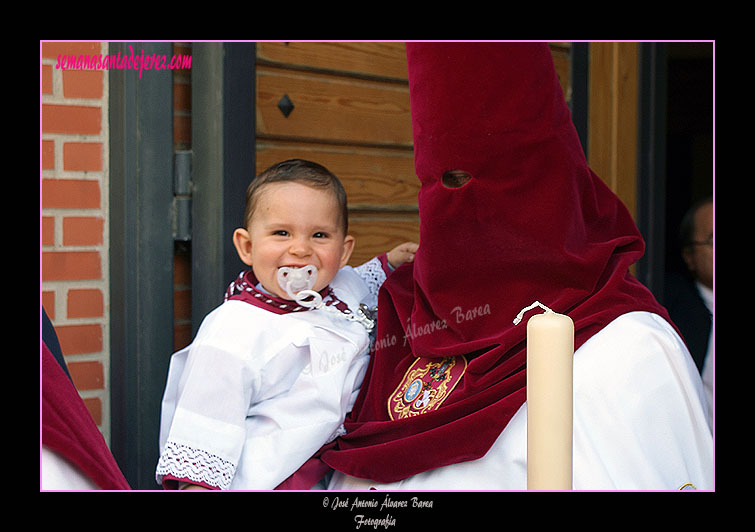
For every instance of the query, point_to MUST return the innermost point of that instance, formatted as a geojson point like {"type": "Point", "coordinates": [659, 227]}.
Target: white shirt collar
{"type": "Point", "coordinates": [707, 295]}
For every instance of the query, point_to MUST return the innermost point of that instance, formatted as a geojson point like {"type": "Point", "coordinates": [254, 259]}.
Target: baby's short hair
{"type": "Point", "coordinates": [297, 171]}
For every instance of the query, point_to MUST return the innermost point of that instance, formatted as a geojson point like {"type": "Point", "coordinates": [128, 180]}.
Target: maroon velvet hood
{"type": "Point", "coordinates": [68, 428]}
{"type": "Point", "coordinates": [532, 223]}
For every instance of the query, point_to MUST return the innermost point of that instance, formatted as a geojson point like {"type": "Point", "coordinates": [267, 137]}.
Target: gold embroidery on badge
{"type": "Point", "coordinates": [687, 486]}
{"type": "Point", "coordinates": [426, 384]}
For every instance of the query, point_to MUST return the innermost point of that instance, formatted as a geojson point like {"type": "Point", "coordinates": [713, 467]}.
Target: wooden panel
{"type": "Point", "coordinates": [376, 234]}
{"type": "Point", "coordinates": [374, 179]}
{"type": "Point", "coordinates": [613, 115]}
{"type": "Point", "coordinates": [600, 130]}
{"type": "Point", "coordinates": [627, 124]}
{"type": "Point", "coordinates": [385, 60]}
{"type": "Point", "coordinates": [331, 108]}
{"type": "Point", "coordinates": [351, 114]}
{"type": "Point", "coordinates": [562, 62]}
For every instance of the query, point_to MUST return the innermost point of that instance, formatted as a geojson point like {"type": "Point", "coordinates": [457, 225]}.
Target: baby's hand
{"type": "Point", "coordinates": [402, 253]}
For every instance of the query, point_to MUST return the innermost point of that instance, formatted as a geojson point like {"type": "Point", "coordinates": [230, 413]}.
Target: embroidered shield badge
{"type": "Point", "coordinates": [426, 384]}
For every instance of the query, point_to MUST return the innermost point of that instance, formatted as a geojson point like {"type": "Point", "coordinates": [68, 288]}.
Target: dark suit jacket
{"type": "Point", "coordinates": [689, 314]}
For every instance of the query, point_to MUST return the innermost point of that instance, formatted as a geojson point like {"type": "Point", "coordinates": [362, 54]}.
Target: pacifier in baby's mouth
{"type": "Point", "coordinates": [298, 284]}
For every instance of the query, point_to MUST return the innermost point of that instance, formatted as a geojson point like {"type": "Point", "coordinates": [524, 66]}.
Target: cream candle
{"type": "Point", "coordinates": [550, 352]}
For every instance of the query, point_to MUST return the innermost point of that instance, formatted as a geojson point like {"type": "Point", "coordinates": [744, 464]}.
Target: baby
{"type": "Point", "coordinates": [274, 370]}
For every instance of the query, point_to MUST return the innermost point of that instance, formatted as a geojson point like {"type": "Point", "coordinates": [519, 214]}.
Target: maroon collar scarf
{"type": "Point", "coordinates": [244, 288]}
{"type": "Point", "coordinates": [532, 223]}
{"type": "Point", "coordinates": [68, 428]}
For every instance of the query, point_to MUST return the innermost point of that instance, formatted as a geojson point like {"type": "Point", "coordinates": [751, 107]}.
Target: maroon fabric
{"type": "Point", "coordinates": [533, 223]}
{"type": "Point", "coordinates": [244, 288]}
{"type": "Point", "coordinates": [68, 428]}
{"type": "Point", "coordinates": [309, 474]}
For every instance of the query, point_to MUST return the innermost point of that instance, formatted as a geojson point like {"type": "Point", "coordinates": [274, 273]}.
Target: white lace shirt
{"type": "Point", "coordinates": [257, 393]}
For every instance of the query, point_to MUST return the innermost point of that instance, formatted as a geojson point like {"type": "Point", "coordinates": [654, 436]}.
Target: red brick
{"type": "Point", "coordinates": [85, 303]}
{"type": "Point", "coordinates": [70, 194]}
{"type": "Point", "coordinates": [48, 302]}
{"type": "Point", "coordinates": [82, 156]}
{"type": "Point", "coordinates": [51, 50]}
{"type": "Point", "coordinates": [181, 48]}
{"type": "Point", "coordinates": [48, 231]}
{"type": "Point", "coordinates": [48, 155]}
{"type": "Point", "coordinates": [181, 335]}
{"type": "Point", "coordinates": [94, 405]}
{"type": "Point", "coordinates": [82, 83]}
{"type": "Point", "coordinates": [71, 119]}
{"type": "Point", "coordinates": [184, 51]}
{"type": "Point", "coordinates": [82, 231]}
{"type": "Point", "coordinates": [181, 304]}
{"type": "Point", "coordinates": [87, 375]}
{"type": "Point", "coordinates": [71, 265]}
{"type": "Point", "coordinates": [46, 79]}
{"type": "Point", "coordinates": [181, 96]}
{"type": "Point", "coordinates": [182, 129]}
{"type": "Point", "coordinates": [79, 339]}
{"type": "Point", "coordinates": [181, 269]}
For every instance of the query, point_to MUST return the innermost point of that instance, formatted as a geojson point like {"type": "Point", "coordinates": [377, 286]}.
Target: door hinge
{"type": "Point", "coordinates": [182, 196]}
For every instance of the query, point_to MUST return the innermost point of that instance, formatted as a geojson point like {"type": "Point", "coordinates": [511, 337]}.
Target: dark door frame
{"type": "Point", "coordinates": [142, 223]}
{"type": "Point", "coordinates": [223, 152]}
{"type": "Point", "coordinates": [651, 152]}
{"type": "Point", "coordinates": [141, 257]}
{"type": "Point", "coordinates": [651, 164]}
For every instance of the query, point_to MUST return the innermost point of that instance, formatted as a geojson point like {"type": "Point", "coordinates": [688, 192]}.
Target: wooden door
{"type": "Point", "coordinates": [349, 111]}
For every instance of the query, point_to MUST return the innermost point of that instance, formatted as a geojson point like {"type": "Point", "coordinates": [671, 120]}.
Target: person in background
{"type": "Point", "coordinates": [689, 298]}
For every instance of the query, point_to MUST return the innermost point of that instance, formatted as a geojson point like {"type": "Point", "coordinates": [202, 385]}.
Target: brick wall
{"type": "Point", "coordinates": [182, 327]}
{"type": "Point", "coordinates": [74, 218]}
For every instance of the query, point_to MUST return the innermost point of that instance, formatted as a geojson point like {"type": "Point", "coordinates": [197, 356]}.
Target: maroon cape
{"type": "Point", "coordinates": [532, 223]}
{"type": "Point", "coordinates": [68, 428]}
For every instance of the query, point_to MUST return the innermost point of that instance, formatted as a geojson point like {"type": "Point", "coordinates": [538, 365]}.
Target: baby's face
{"type": "Point", "coordinates": [295, 225]}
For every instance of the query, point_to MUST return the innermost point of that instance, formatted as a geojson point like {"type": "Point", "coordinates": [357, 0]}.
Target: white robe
{"type": "Point", "coordinates": [256, 393]}
{"type": "Point", "coordinates": [58, 473]}
{"type": "Point", "coordinates": [639, 422]}
{"type": "Point", "coordinates": [710, 356]}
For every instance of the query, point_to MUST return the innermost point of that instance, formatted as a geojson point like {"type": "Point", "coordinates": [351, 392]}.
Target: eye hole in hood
{"type": "Point", "coordinates": [455, 178]}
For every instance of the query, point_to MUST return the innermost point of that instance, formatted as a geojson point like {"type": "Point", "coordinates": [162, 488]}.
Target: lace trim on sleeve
{"type": "Point", "coordinates": [194, 465]}
{"type": "Point", "coordinates": [373, 274]}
